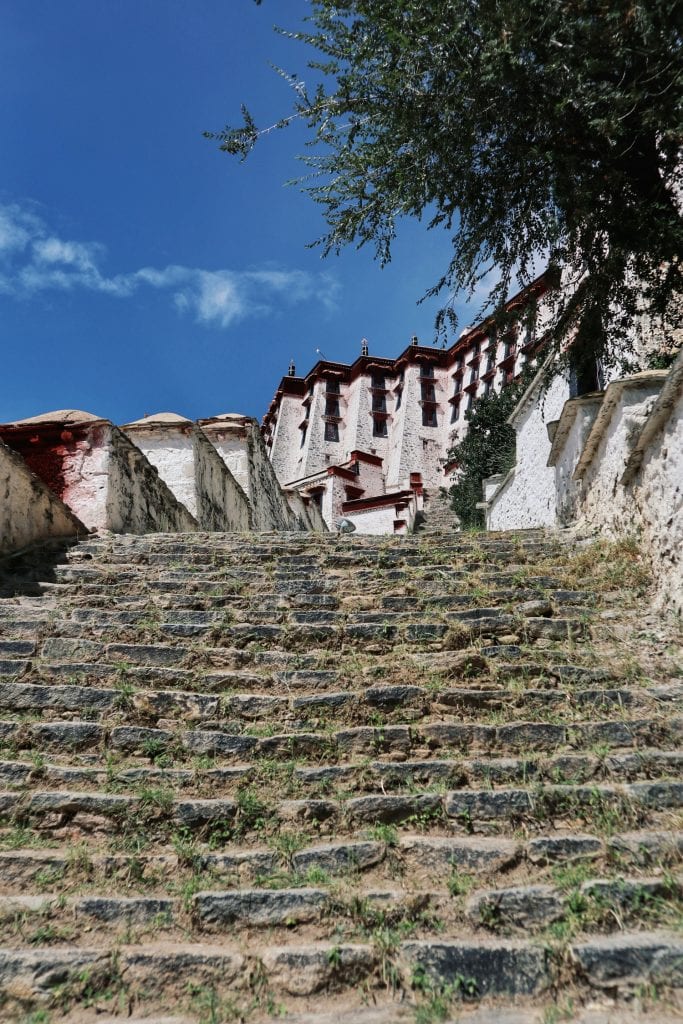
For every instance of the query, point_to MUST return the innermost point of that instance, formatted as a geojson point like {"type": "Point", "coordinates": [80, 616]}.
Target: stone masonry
{"type": "Point", "coordinates": [322, 778]}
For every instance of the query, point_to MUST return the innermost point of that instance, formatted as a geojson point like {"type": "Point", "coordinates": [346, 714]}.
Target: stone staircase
{"type": "Point", "coordinates": [437, 516]}
{"type": "Point", "coordinates": [338, 778]}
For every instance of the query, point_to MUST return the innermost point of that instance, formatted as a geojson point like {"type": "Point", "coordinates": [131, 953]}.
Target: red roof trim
{"type": "Point", "coordinates": [345, 474]}
{"type": "Point", "coordinates": [378, 501]}
{"type": "Point", "coordinates": [372, 460]}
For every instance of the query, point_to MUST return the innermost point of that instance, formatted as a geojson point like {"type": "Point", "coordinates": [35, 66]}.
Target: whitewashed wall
{"type": "Point", "coordinates": [171, 450]}
{"type": "Point", "coordinates": [657, 492]}
{"type": "Point", "coordinates": [29, 512]}
{"type": "Point", "coordinates": [307, 513]}
{"type": "Point", "coordinates": [625, 407]}
{"type": "Point", "coordinates": [136, 499]}
{"type": "Point", "coordinates": [573, 428]}
{"type": "Point", "coordinates": [621, 496]}
{"type": "Point", "coordinates": [286, 450]}
{"type": "Point", "coordinates": [526, 498]}
{"type": "Point", "coordinates": [192, 468]}
{"type": "Point", "coordinates": [374, 521]}
{"type": "Point", "coordinates": [239, 442]}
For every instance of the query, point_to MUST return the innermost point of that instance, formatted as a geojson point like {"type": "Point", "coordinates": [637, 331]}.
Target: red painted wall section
{"type": "Point", "coordinates": [51, 451]}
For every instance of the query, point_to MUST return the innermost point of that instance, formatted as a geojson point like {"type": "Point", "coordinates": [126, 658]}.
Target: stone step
{"type": "Point", "coordinates": [119, 579]}
{"type": "Point", "coordinates": [469, 810]}
{"type": "Point", "coordinates": [351, 704]}
{"type": "Point", "coordinates": [257, 773]}
{"type": "Point", "coordinates": [447, 862]}
{"type": "Point", "coordinates": [160, 754]}
{"type": "Point", "coordinates": [527, 909]}
{"type": "Point", "coordinates": [146, 708]}
{"type": "Point", "coordinates": [487, 968]}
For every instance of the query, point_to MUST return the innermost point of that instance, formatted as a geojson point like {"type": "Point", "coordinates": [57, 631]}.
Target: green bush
{"type": "Point", "coordinates": [487, 448]}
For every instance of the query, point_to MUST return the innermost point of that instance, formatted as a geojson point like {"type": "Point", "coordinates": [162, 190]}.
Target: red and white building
{"type": "Point", "coordinates": [366, 440]}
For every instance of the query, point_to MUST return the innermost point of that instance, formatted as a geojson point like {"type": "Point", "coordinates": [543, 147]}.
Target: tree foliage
{"type": "Point", "coordinates": [487, 448]}
{"type": "Point", "coordinates": [548, 129]}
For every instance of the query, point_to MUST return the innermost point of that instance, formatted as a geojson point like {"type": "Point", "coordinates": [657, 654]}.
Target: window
{"type": "Point", "coordinates": [303, 437]}
{"type": "Point", "coordinates": [428, 393]}
{"type": "Point", "coordinates": [475, 374]}
{"type": "Point", "coordinates": [487, 387]}
{"type": "Point", "coordinates": [332, 407]}
{"type": "Point", "coordinates": [399, 395]}
{"type": "Point", "coordinates": [379, 427]}
{"type": "Point", "coordinates": [491, 362]}
{"type": "Point", "coordinates": [470, 401]}
{"type": "Point", "coordinates": [379, 403]}
{"type": "Point", "coordinates": [458, 386]}
{"type": "Point", "coordinates": [455, 412]}
{"type": "Point", "coordinates": [333, 387]}
{"type": "Point", "coordinates": [429, 416]}
{"type": "Point", "coordinates": [426, 370]}
{"type": "Point", "coordinates": [331, 431]}
{"type": "Point", "coordinates": [378, 380]}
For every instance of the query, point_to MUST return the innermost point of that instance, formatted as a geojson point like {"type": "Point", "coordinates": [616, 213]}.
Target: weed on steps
{"type": "Point", "coordinates": [334, 778]}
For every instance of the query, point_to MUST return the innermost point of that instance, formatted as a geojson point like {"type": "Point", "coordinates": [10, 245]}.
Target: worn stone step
{"type": "Point", "coordinates": [533, 907]}
{"type": "Point", "coordinates": [468, 810]}
{"type": "Point", "coordinates": [600, 803]}
{"type": "Point", "coordinates": [148, 707]}
{"type": "Point", "coordinates": [510, 969]}
{"type": "Point", "coordinates": [424, 857]}
{"type": "Point", "coordinates": [152, 744]}
{"type": "Point", "coordinates": [260, 733]}
{"type": "Point", "coordinates": [527, 908]}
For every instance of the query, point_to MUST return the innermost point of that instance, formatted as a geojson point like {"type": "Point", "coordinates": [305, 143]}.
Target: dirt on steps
{"type": "Point", "coordinates": [422, 779]}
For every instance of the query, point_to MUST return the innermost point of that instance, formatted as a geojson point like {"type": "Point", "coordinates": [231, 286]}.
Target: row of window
{"type": "Point", "coordinates": [429, 403]}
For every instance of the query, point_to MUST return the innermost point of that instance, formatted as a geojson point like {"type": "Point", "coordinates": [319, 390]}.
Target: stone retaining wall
{"type": "Point", "coordinates": [29, 512]}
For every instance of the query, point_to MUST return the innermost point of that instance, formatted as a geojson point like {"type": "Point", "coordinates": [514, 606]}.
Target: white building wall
{"type": "Point", "coordinates": [232, 448]}
{"type": "Point", "coordinates": [222, 503]}
{"type": "Point", "coordinates": [313, 451]}
{"type": "Point", "coordinates": [286, 447]}
{"type": "Point", "coordinates": [239, 442]}
{"type": "Point", "coordinates": [631, 474]}
{"type": "Point", "coordinates": [602, 498]}
{"type": "Point", "coordinates": [353, 393]}
{"type": "Point", "coordinates": [422, 448]}
{"type": "Point", "coordinates": [658, 497]}
{"type": "Point", "coordinates": [379, 521]}
{"type": "Point", "coordinates": [527, 497]}
{"type": "Point", "coordinates": [393, 457]}
{"type": "Point", "coordinates": [365, 439]}
{"type": "Point", "coordinates": [171, 450]}
{"type": "Point", "coordinates": [568, 490]}
{"type": "Point", "coordinates": [307, 513]}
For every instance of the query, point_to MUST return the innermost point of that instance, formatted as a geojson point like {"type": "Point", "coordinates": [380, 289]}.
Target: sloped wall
{"type": "Point", "coordinates": [193, 470]}
{"type": "Point", "coordinates": [29, 512]}
{"type": "Point", "coordinates": [632, 473]}
{"type": "Point", "coordinates": [238, 441]}
{"type": "Point", "coordinates": [96, 471]}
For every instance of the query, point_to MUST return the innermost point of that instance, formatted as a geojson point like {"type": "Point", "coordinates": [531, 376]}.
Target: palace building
{"type": "Point", "coordinates": [366, 441]}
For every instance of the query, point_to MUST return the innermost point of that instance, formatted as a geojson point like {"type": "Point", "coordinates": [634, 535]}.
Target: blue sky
{"type": "Point", "coordinates": [140, 269]}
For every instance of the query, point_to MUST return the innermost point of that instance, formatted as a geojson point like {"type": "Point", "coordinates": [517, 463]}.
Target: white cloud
{"type": "Point", "coordinates": [35, 259]}
{"type": "Point", "coordinates": [17, 228]}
